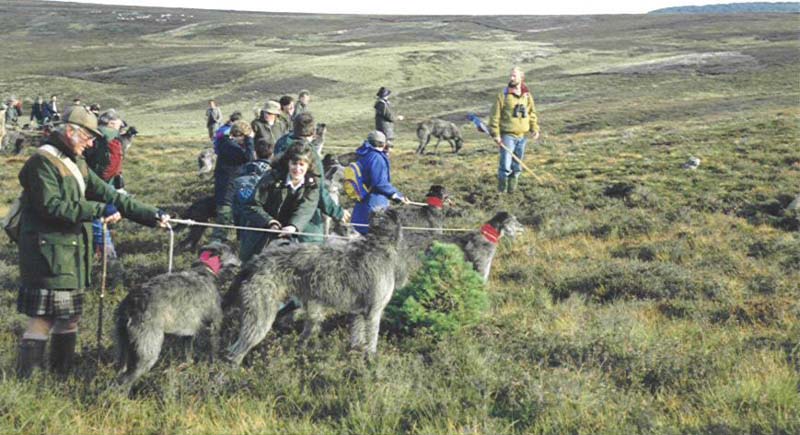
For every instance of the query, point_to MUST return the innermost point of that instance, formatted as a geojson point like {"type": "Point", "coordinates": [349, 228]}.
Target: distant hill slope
{"type": "Point", "coordinates": [733, 8]}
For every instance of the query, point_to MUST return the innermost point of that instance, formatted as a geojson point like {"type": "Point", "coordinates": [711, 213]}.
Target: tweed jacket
{"type": "Point", "coordinates": [55, 246]}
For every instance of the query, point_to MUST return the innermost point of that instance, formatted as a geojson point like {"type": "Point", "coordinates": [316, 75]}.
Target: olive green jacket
{"type": "Point", "coordinates": [274, 201]}
{"type": "Point", "coordinates": [327, 205]}
{"type": "Point", "coordinates": [55, 246]}
{"type": "Point", "coordinates": [502, 120]}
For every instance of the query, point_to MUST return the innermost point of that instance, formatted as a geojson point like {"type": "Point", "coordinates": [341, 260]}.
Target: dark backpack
{"type": "Point", "coordinates": [244, 188]}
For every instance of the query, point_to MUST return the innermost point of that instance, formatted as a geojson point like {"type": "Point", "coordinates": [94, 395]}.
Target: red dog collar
{"type": "Point", "coordinates": [490, 234]}
{"type": "Point", "coordinates": [213, 263]}
{"type": "Point", "coordinates": [434, 202]}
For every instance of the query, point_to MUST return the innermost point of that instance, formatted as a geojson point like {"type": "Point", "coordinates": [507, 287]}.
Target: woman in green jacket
{"type": "Point", "coordinates": [60, 198]}
{"type": "Point", "coordinates": [285, 199]}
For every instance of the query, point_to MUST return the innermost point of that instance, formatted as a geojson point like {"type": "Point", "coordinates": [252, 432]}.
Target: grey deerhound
{"type": "Point", "coordinates": [202, 210]}
{"type": "Point", "coordinates": [205, 161]}
{"type": "Point", "coordinates": [439, 129]}
{"type": "Point", "coordinates": [178, 303]}
{"type": "Point", "coordinates": [430, 216]}
{"type": "Point", "coordinates": [356, 278]}
{"type": "Point", "coordinates": [479, 247]}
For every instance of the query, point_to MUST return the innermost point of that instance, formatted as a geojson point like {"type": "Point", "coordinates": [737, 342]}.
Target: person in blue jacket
{"type": "Point", "coordinates": [374, 164]}
{"type": "Point", "coordinates": [234, 151]}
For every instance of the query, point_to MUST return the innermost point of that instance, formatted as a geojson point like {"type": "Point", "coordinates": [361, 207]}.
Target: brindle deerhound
{"type": "Point", "coordinates": [479, 246]}
{"type": "Point", "coordinates": [356, 278]}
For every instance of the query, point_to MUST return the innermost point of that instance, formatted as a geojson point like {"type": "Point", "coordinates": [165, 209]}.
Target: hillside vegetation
{"type": "Point", "coordinates": [644, 297]}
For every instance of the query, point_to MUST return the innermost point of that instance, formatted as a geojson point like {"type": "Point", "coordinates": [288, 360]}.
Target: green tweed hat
{"type": "Point", "coordinates": [80, 116]}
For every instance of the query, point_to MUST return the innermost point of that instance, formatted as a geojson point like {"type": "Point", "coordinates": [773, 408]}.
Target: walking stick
{"type": "Point", "coordinates": [481, 126]}
{"type": "Point", "coordinates": [513, 156]}
{"type": "Point", "coordinates": [102, 292]}
{"type": "Point", "coordinates": [171, 246]}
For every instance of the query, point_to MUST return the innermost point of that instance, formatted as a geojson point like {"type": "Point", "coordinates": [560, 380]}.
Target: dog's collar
{"type": "Point", "coordinates": [212, 262]}
{"type": "Point", "coordinates": [434, 202]}
{"type": "Point", "coordinates": [490, 234]}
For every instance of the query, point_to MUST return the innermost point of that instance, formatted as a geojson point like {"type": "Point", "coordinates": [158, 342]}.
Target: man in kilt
{"type": "Point", "coordinates": [60, 198]}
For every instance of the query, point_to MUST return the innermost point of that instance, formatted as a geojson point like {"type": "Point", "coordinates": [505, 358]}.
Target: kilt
{"type": "Point", "coordinates": [57, 303]}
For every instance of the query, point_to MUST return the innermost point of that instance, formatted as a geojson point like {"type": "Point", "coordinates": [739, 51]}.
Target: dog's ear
{"type": "Point", "coordinates": [438, 191]}
{"type": "Point", "coordinates": [216, 248]}
{"type": "Point", "coordinates": [499, 220]}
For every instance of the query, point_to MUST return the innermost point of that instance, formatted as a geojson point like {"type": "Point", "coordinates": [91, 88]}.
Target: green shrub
{"type": "Point", "coordinates": [445, 295]}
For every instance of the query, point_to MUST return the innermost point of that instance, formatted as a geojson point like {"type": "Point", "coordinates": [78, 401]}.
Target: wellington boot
{"type": "Point", "coordinates": [30, 357]}
{"type": "Point", "coordinates": [62, 352]}
{"type": "Point", "coordinates": [502, 185]}
{"type": "Point", "coordinates": [512, 184]}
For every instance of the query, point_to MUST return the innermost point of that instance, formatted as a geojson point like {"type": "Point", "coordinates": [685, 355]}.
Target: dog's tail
{"type": "Point", "coordinates": [422, 131]}
{"type": "Point", "coordinates": [231, 297]}
{"type": "Point", "coordinates": [260, 306]}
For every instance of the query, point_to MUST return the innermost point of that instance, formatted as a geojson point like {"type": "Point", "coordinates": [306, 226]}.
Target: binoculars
{"type": "Point", "coordinates": [520, 111]}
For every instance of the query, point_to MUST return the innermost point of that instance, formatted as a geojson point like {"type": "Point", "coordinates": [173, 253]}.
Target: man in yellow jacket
{"type": "Point", "coordinates": [513, 118]}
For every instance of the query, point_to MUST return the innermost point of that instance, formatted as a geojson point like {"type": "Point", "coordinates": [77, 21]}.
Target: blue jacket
{"type": "Point", "coordinates": [221, 134]}
{"type": "Point", "coordinates": [231, 157]}
{"type": "Point", "coordinates": [375, 166]}
{"type": "Point", "coordinates": [48, 111]}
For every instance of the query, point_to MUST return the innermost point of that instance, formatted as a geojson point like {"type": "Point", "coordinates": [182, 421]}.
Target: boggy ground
{"type": "Point", "coordinates": [646, 298]}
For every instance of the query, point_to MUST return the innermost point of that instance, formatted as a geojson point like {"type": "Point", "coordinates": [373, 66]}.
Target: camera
{"type": "Point", "coordinates": [520, 111]}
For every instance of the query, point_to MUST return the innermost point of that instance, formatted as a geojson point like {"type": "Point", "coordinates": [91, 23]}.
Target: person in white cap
{"type": "Point", "coordinates": [376, 174]}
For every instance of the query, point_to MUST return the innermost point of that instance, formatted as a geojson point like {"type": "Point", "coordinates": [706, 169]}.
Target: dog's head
{"type": "Point", "coordinates": [437, 196]}
{"type": "Point", "coordinates": [385, 224]}
{"type": "Point", "coordinates": [330, 166]}
{"type": "Point", "coordinates": [320, 129]}
{"type": "Point", "coordinates": [507, 224]}
{"type": "Point", "coordinates": [227, 256]}
{"type": "Point", "coordinates": [205, 161]}
{"type": "Point", "coordinates": [437, 191]}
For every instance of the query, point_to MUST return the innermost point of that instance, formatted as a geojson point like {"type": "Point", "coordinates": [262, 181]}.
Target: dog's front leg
{"type": "Point", "coordinates": [358, 324]}
{"type": "Point", "coordinates": [187, 345]}
{"type": "Point", "coordinates": [373, 324]}
{"type": "Point", "coordinates": [312, 323]}
{"type": "Point", "coordinates": [214, 329]}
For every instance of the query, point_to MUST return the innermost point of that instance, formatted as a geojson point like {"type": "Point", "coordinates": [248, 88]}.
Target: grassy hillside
{"type": "Point", "coordinates": [645, 298]}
